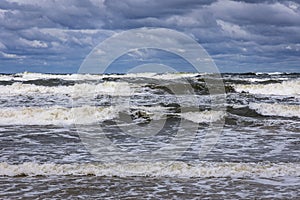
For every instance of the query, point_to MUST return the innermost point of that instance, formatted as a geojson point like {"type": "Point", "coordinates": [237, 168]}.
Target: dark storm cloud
{"type": "Point", "coordinates": [137, 9]}
{"type": "Point", "coordinates": [72, 14]}
{"type": "Point", "coordinates": [277, 14]}
{"type": "Point", "coordinates": [41, 32]}
{"type": "Point", "coordinates": [234, 32]}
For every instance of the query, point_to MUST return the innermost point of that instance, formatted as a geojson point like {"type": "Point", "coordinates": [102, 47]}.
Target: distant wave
{"type": "Point", "coordinates": [26, 76]}
{"type": "Point", "coordinates": [291, 87]}
{"type": "Point", "coordinates": [23, 93]}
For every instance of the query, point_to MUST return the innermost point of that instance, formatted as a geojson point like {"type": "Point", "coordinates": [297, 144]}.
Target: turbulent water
{"type": "Point", "coordinates": [45, 120]}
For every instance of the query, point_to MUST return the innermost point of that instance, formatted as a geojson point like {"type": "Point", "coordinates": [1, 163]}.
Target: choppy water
{"type": "Point", "coordinates": [43, 118]}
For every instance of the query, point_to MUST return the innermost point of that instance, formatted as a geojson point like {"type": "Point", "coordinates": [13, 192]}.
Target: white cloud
{"type": "Point", "coordinates": [183, 21]}
{"type": "Point", "coordinates": [34, 43]}
{"type": "Point", "coordinates": [288, 47]}
{"type": "Point", "coordinates": [11, 56]}
{"type": "Point", "coordinates": [293, 5]}
{"type": "Point", "coordinates": [233, 30]}
{"type": "Point", "coordinates": [38, 44]}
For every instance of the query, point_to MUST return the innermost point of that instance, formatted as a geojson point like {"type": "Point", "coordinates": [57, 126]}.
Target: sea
{"type": "Point", "coordinates": [150, 136]}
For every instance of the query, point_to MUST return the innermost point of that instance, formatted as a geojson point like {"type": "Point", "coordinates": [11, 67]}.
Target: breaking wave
{"type": "Point", "coordinates": [203, 117]}
{"type": "Point", "coordinates": [291, 87]}
{"type": "Point", "coordinates": [78, 90]}
{"type": "Point", "coordinates": [276, 109]}
{"type": "Point", "coordinates": [58, 115]}
{"type": "Point", "coordinates": [26, 76]}
{"type": "Point", "coordinates": [158, 169]}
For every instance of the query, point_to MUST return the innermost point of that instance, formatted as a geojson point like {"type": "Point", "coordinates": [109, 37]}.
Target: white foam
{"type": "Point", "coordinates": [26, 76]}
{"type": "Point", "coordinates": [172, 76]}
{"type": "Point", "coordinates": [56, 115]}
{"type": "Point", "coordinates": [276, 109]}
{"type": "Point", "coordinates": [204, 116]}
{"type": "Point", "coordinates": [270, 73]}
{"type": "Point", "coordinates": [253, 80]}
{"type": "Point", "coordinates": [291, 87]}
{"type": "Point", "coordinates": [156, 169]}
{"type": "Point", "coordinates": [106, 88]}
{"type": "Point", "coordinates": [35, 76]}
{"type": "Point", "coordinates": [78, 90]}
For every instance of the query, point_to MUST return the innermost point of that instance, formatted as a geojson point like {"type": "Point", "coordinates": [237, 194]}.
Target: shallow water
{"type": "Point", "coordinates": [73, 187]}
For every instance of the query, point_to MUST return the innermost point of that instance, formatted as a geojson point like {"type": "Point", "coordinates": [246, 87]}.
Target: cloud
{"type": "Point", "coordinates": [137, 9]}
{"type": "Point", "coordinates": [140, 13]}
{"type": "Point", "coordinates": [233, 32]}
{"type": "Point", "coordinates": [34, 43]}
{"type": "Point", "coordinates": [73, 14]}
{"type": "Point", "coordinates": [10, 56]}
{"type": "Point", "coordinates": [259, 13]}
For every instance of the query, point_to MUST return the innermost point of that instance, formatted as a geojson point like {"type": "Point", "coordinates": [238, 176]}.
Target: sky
{"type": "Point", "coordinates": [55, 36]}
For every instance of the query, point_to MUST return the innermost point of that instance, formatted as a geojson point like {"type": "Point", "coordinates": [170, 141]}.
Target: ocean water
{"type": "Point", "coordinates": [143, 136]}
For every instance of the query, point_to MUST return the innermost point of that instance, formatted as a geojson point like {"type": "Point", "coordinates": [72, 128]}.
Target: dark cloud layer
{"type": "Point", "coordinates": [55, 36]}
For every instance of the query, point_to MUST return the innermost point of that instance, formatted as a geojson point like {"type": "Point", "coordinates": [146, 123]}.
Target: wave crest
{"type": "Point", "coordinates": [276, 109]}
{"type": "Point", "coordinates": [158, 169]}
{"type": "Point", "coordinates": [291, 87]}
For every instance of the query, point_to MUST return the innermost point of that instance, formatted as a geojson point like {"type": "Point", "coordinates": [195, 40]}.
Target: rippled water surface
{"type": "Point", "coordinates": [45, 119]}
